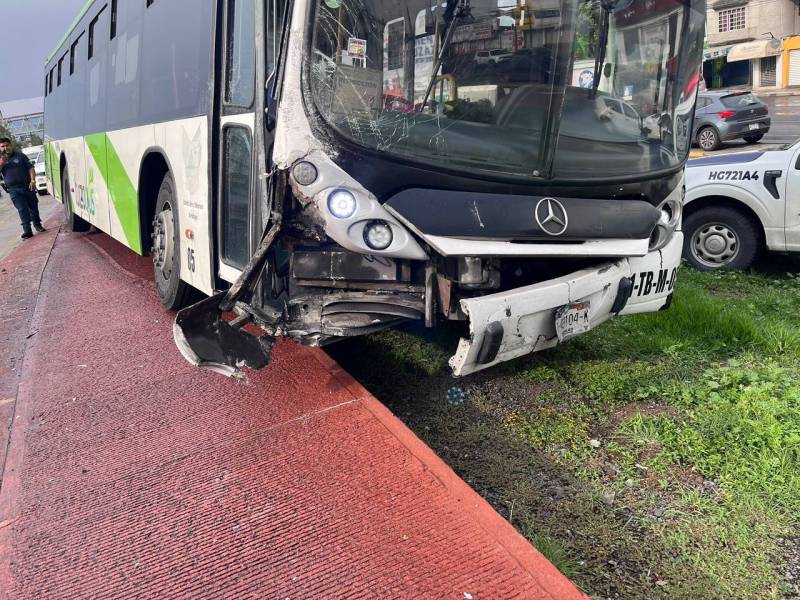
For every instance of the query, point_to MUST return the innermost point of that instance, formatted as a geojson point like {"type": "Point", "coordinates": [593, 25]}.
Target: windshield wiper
{"type": "Point", "coordinates": [454, 11]}
{"type": "Point", "coordinates": [602, 44]}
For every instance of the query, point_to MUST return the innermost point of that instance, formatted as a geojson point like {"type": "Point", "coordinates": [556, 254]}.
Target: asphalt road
{"type": "Point", "coordinates": [785, 112]}
{"type": "Point", "coordinates": [9, 221]}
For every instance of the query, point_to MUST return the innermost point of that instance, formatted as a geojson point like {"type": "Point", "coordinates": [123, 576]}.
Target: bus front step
{"type": "Point", "coordinates": [207, 340]}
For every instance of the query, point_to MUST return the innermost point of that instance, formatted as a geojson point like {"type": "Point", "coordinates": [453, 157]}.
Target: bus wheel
{"type": "Point", "coordinates": [73, 221]}
{"type": "Point", "coordinates": [173, 293]}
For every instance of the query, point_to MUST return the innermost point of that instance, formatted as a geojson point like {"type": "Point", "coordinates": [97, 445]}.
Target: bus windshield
{"type": "Point", "coordinates": [557, 89]}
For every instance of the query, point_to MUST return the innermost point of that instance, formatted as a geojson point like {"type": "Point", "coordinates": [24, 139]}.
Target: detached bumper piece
{"type": "Point", "coordinates": [207, 340]}
{"type": "Point", "coordinates": [511, 324]}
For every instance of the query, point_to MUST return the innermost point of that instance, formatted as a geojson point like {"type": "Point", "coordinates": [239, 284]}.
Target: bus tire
{"type": "Point", "coordinates": [718, 237]}
{"type": "Point", "coordinates": [73, 221]}
{"type": "Point", "coordinates": [172, 291]}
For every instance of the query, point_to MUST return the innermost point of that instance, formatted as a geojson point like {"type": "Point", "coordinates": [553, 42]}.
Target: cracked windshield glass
{"type": "Point", "coordinates": [530, 88]}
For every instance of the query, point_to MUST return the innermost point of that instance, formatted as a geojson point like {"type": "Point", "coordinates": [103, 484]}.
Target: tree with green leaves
{"type": "Point", "coordinates": [5, 133]}
{"type": "Point", "coordinates": [586, 34]}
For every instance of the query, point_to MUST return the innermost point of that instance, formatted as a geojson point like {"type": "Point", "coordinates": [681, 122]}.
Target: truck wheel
{"type": "Point", "coordinates": [708, 139]}
{"type": "Point", "coordinates": [73, 221]}
{"type": "Point", "coordinates": [752, 139]}
{"type": "Point", "coordinates": [718, 236]}
{"type": "Point", "coordinates": [173, 293]}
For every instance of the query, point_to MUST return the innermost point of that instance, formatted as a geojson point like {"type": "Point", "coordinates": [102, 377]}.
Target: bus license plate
{"type": "Point", "coordinates": [572, 319]}
{"type": "Point", "coordinates": [753, 125]}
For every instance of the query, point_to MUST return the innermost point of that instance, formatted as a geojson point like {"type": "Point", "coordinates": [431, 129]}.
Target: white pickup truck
{"type": "Point", "coordinates": [738, 205]}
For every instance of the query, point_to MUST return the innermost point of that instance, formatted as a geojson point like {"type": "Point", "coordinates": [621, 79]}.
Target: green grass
{"type": "Point", "coordinates": [655, 457]}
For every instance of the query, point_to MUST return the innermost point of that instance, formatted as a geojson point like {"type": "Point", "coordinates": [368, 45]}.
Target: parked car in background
{"type": "Point", "coordinates": [723, 115]}
{"type": "Point", "coordinates": [35, 154]}
{"type": "Point", "coordinates": [32, 152]}
{"type": "Point", "coordinates": [492, 57]}
{"type": "Point", "coordinates": [623, 115]}
{"type": "Point", "coordinates": [738, 205]}
{"type": "Point", "coordinates": [41, 173]}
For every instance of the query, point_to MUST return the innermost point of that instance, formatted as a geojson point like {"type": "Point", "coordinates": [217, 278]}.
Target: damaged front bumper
{"type": "Point", "coordinates": [511, 324]}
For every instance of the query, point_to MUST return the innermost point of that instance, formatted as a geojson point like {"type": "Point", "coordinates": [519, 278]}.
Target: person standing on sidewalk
{"type": "Point", "coordinates": [20, 179]}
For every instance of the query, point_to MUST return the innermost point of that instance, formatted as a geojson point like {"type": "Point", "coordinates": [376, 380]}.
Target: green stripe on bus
{"type": "Point", "coordinates": [53, 167]}
{"type": "Point", "coordinates": [120, 188]}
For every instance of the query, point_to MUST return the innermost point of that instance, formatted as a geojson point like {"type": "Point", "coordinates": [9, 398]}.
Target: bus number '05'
{"type": "Point", "coordinates": [190, 262]}
{"type": "Point", "coordinates": [654, 282]}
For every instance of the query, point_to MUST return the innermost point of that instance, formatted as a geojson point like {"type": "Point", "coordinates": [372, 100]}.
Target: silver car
{"type": "Point", "coordinates": [493, 57]}
{"type": "Point", "coordinates": [724, 115]}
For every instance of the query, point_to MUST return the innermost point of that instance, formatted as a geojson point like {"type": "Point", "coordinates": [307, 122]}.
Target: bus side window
{"type": "Point", "coordinates": [240, 80]}
{"type": "Point", "coordinates": [237, 177]}
{"type": "Point", "coordinates": [274, 14]}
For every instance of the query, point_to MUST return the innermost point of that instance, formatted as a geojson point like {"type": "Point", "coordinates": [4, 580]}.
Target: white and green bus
{"type": "Point", "coordinates": [319, 169]}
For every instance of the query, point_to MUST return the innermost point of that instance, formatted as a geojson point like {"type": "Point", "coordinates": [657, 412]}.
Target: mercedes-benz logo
{"type": "Point", "coordinates": [551, 216]}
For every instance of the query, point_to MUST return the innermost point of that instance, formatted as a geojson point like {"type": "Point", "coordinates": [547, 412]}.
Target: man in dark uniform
{"type": "Point", "coordinates": [19, 176]}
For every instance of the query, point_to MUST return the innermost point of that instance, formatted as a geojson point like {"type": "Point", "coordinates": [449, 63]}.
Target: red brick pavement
{"type": "Point", "coordinates": [131, 474]}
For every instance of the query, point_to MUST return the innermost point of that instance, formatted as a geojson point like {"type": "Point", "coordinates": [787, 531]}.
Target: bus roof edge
{"type": "Point", "coordinates": [71, 28]}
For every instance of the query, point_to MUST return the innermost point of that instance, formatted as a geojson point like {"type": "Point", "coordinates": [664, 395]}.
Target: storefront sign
{"type": "Point", "coordinates": [357, 48]}
{"type": "Point", "coordinates": [712, 53]}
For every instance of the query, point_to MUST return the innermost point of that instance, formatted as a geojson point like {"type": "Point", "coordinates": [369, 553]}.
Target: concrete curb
{"type": "Point", "coordinates": [528, 557]}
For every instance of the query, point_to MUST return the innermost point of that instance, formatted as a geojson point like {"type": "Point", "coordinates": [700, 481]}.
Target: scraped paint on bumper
{"type": "Point", "coordinates": [523, 320]}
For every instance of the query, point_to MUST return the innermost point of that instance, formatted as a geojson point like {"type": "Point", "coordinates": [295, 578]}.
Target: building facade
{"type": "Point", "coordinates": [24, 119]}
{"type": "Point", "coordinates": [752, 43]}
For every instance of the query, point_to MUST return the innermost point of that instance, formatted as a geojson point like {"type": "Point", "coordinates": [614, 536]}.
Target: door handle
{"type": "Point", "coordinates": [769, 182]}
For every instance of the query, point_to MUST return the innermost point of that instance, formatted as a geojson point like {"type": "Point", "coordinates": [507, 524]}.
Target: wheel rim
{"type": "Point", "coordinates": [707, 139]}
{"type": "Point", "coordinates": [164, 242]}
{"type": "Point", "coordinates": [715, 245]}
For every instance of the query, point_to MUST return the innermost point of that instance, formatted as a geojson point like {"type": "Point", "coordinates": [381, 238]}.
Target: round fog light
{"type": "Point", "coordinates": [304, 173]}
{"type": "Point", "coordinates": [342, 204]}
{"type": "Point", "coordinates": [378, 235]}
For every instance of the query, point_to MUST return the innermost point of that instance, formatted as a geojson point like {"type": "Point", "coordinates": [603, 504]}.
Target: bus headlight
{"type": "Point", "coordinates": [667, 224]}
{"type": "Point", "coordinates": [671, 213]}
{"type": "Point", "coordinates": [378, 235]}
{"type": "Point", "coordinates": [342, 203]}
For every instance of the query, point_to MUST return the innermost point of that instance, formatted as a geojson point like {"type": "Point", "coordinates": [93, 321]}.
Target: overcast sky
{"type": "Point", "coordinates": [31, 29]}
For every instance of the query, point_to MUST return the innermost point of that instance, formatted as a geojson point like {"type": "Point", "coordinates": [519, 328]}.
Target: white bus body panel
{"type": "Point", "coordinates": [184, 144]}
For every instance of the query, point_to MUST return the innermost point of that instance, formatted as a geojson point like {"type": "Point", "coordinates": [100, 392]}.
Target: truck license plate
{"type": "Point", "coordinates": [572, 319]}
{"type": "Point", "coordinates": [754, 125]}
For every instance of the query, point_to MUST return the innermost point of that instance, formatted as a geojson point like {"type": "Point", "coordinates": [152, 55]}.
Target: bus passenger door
{"type": "Point", "coordinates": [236, 136]}
{"type": "Point", "coordinates": [250, 39]}
{"type": "Point", "coordinates": [247, 37]}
